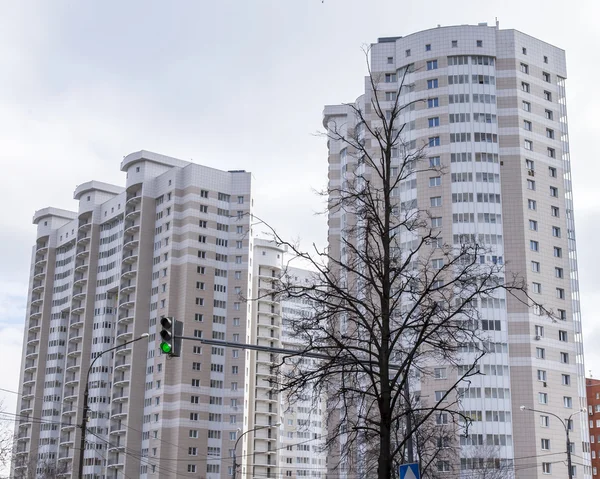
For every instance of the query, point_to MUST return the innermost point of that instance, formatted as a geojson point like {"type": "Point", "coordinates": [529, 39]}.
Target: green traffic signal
{"type": "Point", "coordinates": [165, 347]}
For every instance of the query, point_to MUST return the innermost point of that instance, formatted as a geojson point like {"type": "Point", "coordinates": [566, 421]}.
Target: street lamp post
{"type": "Point", "coordinates": [84, 418]}
{"type": "Point", "coordinates": [257, 428]}
{"type": "Point", "coordinates": [566, 426]}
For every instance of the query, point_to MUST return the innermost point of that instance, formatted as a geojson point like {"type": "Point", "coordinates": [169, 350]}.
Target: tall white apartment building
{"type": "Point", "coordinates": [490, 106]}
{"type": "Point", "coordinates": [285, 437]}
{"type": "Point", "coordinates": [174, 241]}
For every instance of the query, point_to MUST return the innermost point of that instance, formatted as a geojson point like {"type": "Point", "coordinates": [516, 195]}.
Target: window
{"type": "Point", "coordinates": [547, 467]}
{"type": "Point", "coordinates": [563, 336]}
{"type": "Point", "coordinates": [439, 373]}
{"type": "Point", "coordinates": [454, 43]}
{"type": "Point", "coordinates": [525, 87]}
{"type": "Point", "coordinates": [550, 133]}
{"type": "Point", "coordinates": [545, 59]}
{"type": "Point", "coordinates": [194, 433]}
{"type": "Point", "coordinates": [557, 252]}
{"type": "Point", "coordinates": [434, 122]}
{"type": "Point", "coordinates": [526, 106]}
{"type": "Point", "coordinates": [527, 125]}
{"type": "Point", "coordinates": [543, 398]}
{"type": "Point", "coordinates": [435, 181]}
{"type": "Point", "coordinates": [433, 102]}
{"type": "Point", "coordinates": [540, 353]}
{"type": "Point", "coordinates": [525, 68]}
{"type": "Point", "coordinates": [433, 83]}
{"type": "Point", "coordinates": [551, 152]}
{"type": "Point", "coordinates": [479, 43]}
{"type": "Point", "coordinates": [390, 60]}
{"type": "Point", "coordinates": [555, 211]}
{"type": "Point", "coordinates": [432, 65]}
{"type": "Point", "coordinates": [534, 245]}
{"type": "Point", "coordinates": [533, 225]}
{"type": "Point", "coordinates": [547, 95]}
{"type": "Point", "coordinates": [539, 331]}
{"type": "Point", "coordinates": [529, 145]}
{"type": "Point", "coordinates": [434, 141]}
{"type": "Point", "coordinates": [568, 401]}
{"type": "Point", "coordinates": [556, 231]}
{"type": "Point", "coordinates": [390, 77]}
{"type": "Point", "coordinates": [541, 375]}
{"type": "Point", "coordinates": [524, 50]}
{"type": "Point", "coordinates": [537, 288]}
{"type": "Point", "coordinates": [439, 395]}
{"type": "Point", "coordinates": [390, 95]}
{"type": "Point", "coordinates": [558, 272]}
{"type": "Point", "coordinates": [192, 451]}
{"type": "Point", "coordinates": [535, 266]}
{"type": "Point", "coordinates": [564, 357]}
{"type": "Point", "coordinates": [566, 380]}
{"type": "Point", "coordinates": [434, 161]}
{"type": "Point", "coordinates": [532, 204]}
{"type": "Point", "coordinates": [437, 263]}
{"type": "Point", "coordinates": [443, 466]}
{"type": "Point", "coordinates": [436, 201]}
{"type": "Point", "coordinates": [554, 191]}
{"type": "Point", "coordinates": [546, 444]}
{"type": "Point", "coordinates": [544, 420]}
{"type": "Point", "coordinates": [531, 185]}
{"type": "Point", "coordinates": [549, 115]}
{"type": "Point", "coordinates": [407, 52]}
{"type": "Point", "coordinates": [436, 222]}
{"type": "Point", "coordinates": [428, 47]}
{"type": "Point", "coordinates": [560, 293]}
{"type": "Point", "coordinates": [562, 314]}
{"type": "Point", "coordinates": [552, 172]}
{"type": "Point", "coordinates": [191, 467]}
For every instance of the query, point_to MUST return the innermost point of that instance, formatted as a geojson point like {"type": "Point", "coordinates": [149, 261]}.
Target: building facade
{"type": "Point", "coordinates": [489, 108]}
{"type": "Point", "coordinates": [175, 241]}
{"type": "Point", "coordinates": [593, 400]}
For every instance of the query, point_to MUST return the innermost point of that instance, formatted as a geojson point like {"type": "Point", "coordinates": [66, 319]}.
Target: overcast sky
{"type": "Point", "coordinates": [233, 85]}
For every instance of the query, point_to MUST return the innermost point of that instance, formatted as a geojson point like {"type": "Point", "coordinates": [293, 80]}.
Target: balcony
{"type": "Point", "coordinates": [35, 313]}
{"type": "Point", "coordinates": [78, 307]}
{"type": "Point", "coordinates": [76, 320]}
{"type": "Point", "coordinates": [34, 325]}
{"type": "Point", "coordinates": [31, 352]}
{"type": "Point", "coordinates": [71, 380]}
{"type": "Point", "coordinates": [128, 286]}
{"type": "Point", "coordinates": [124, 333]}
{"type": "Point", "coordinates": [120, 396]}
{"type": "Point", "coordinates": [72, 364]}
{"type": "Point", "coordinates": [39, 274]}
{"type": "Point", "coordinates": [76, 335]}
{"type": "Point", "coordinates": [74, 350]}
{"type": "Point", "coordinates": [62, 455]}
{"type": "Point", "coordinates": [79, 280]}
{"type": "Point", "coordinates": [122, 363]}
{"type": "Point", "coordinates": [131, 242]}
{"type": "Point", "coordinates": [133, 200]}
{"type": "Point", "coordinates": [28, 393]}
{"type": "Point", "coordinates": [82, 252]}
{"type": "Point", "coordinates": [79, 294]}
{"type": "Point", "coordinates": [83, 237]}
{"type": "Point", "coordinates": [114, 462]}
{"type": "Point", "coordinates": [81, 266]}
{"type": "Point", "coordinates": [37, 300]}
{"type": "Point", "coordinates": [69, 409]}
{"type": "Point", "coordinates": [118, 428]}
{"type": "Point", "coordinates": [28, 379]}
{"type": "Point", "coordinates": [67, 439]}
{"type": "Point", "coordinates": [37, 287]}
{"type": "Point", "coordinates": [128, 272]}
{"type": "Point", "coordinates": [118, 411]}
{"type": "Point", "coordinates": [30, 366]}
{"type": "Point", "coordinates": [85, 225]}
{"type": "Point", "coordinates": [132, 227]}
{"type": "Point", "coordinates": [126, 318]}
{"type": "Point", "coordinates": [132, 213]}
{"type": "Point", "coordinates": [130, 257]}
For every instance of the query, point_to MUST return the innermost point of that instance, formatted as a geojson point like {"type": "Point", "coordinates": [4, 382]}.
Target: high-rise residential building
{"type": "Point", "coordinates": [489, 107]}
{"type": "Point", "coordinates": [174, 241]}
{"type": "Point", "coordinates": [593, 400]}
{"type": "Point", "coordinates": [285, 435]}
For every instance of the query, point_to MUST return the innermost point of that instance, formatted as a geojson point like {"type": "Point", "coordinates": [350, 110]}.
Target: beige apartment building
{"type": "Point", "coordinates": [174, 241]}
{"type": "Point", "coordinates": [489, 105]}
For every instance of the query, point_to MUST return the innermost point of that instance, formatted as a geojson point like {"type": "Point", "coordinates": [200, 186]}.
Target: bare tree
{"type": "Point", "coordinates": [391, 297]}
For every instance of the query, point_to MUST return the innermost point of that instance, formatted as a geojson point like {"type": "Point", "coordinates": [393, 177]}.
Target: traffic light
{"type": "Point", "coordinates": [171, 333]}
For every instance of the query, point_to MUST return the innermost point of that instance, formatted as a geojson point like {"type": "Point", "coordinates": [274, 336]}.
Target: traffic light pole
{"type": "Point", "coordinates": [86, 408]}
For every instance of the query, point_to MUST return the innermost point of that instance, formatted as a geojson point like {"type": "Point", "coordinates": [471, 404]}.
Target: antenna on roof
{"type": "Point", "coordinates": [497, 23]}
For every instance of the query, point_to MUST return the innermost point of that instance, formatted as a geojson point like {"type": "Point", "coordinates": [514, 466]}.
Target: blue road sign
{"type": "Point", "coordinates": [410, 471]}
